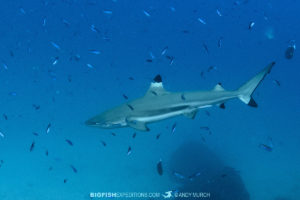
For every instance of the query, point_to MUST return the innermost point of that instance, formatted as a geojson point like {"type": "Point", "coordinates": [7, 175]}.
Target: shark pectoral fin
{"type": "Point", "coordinates": [191, 114]}
{"type": "Point", "coordinates": [141, 126]}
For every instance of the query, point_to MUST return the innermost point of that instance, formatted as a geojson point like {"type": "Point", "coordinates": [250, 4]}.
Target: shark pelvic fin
{"type": "Point", "coordinates": [141, 126]}
{"type": "Point", "coordinates": [156, 88]}
{"type": "Point", "coordinates": [192, 114]}
{"type": "Point", "coordinates": [218, 87]}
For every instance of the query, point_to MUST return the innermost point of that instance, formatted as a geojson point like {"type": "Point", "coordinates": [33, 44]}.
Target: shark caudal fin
{"type": "Point", "coordinates": [246, 90]}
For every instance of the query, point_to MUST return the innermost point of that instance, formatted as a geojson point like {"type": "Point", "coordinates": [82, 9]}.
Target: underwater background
{"type": "Point", "coordinates": [64, 61]}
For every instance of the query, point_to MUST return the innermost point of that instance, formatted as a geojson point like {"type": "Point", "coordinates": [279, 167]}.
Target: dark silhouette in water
{"type": "Point", "coordinates": [221, 181]}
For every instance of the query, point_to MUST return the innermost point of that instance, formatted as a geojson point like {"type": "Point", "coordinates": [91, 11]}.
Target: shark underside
{"type": "Point", "coordinates": [159, 104]}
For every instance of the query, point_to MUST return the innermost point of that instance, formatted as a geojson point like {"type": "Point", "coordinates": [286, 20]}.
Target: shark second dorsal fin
{"type": "Point", "coordinates": [218, 87]}
{"type": "Point", "coordinates": [156, 88]}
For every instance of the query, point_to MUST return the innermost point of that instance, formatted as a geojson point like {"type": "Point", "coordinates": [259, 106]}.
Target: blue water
{"type": "Point", "coordinates": [45, 49]}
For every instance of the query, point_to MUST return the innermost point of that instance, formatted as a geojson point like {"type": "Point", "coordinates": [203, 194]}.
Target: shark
{"type": "Point", "coordinates": [159, 104]}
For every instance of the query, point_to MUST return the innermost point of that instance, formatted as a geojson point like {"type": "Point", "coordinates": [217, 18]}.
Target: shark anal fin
{"type": "Point", "coordinates": [191, 114]}
{"type": "Point", "coordinates": [141, 126]}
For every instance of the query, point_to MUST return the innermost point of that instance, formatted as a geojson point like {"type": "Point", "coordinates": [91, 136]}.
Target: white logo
{"type": "Point", "coordinates": [167, 194]}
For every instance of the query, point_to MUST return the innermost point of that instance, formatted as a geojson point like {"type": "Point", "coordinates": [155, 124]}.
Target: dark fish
{"type": "Point", "coordinates": [204, 128]}
{"type": "Point", "coordinates": [1, 163]}
{"type": "Point", "coordinates": [69, 142]}
{"type": "Point", "coordinates": [32, 146]}
{"type": "Point", "coordinates": [129, 151]}
{"type": "Point", "coordinates": [131, 78]}
{"type": "Point", "coordinates": [158, 136]}
{"type": "Point", "coordinates": [203, 139]}
{"type": "Point", "coordinates": [36, 134]}
{"type": "Point", "coordinates": [5, 116]}
{"type": "Point", "coordinates": [103, 143]}
{"type": "Point", "coordinates": [210, 68]}
{"type": "Point", "coordinates": [159, 167]}
{"type": "Point", "coordinates": [205, 47]}
{"type": "Point", "coordinates": [125, 97]}
{"type": "Point", "coordinates": [183, 97]}
{"type": "Point", "coordinates": [202, 74]}
{"type": "Point", "coordinates": [11, 53]}
{"type": "Point", "coordinates": [113, 134]}
{"type": "Point", "coordinates": [266, 147]}
{"type": "Point", "coordinates": [69, 78]}
{"type": "Point", "coordinates": [65, 180]}
{"type": "Point", "coordinates": [73, 168]}
{"type": "Point", "coordinates": [50, 168]}
{"type": "Point", "coordinates": [223, 175]}
{"type": "Point", "coordinates": [129, 106]}
{"type": "Point", "coordinates": [47, 153]}
{"type": "Point", "coordinates": [289, 52]}
{"type": "Point", "coordinates": [149, 60]}
{"type": "Point", "coordinates": [186, 31]}
{"type": "Point", "coordinates": [134, 135]}
{"type": "Point", "coordinates": [36, 107]}
{"type": "Point", "coordinates": [174, 128]}
{"type": "Point", "coordinates": [193, 176]}
{"type": "Point", "coordinates": [277, 82]}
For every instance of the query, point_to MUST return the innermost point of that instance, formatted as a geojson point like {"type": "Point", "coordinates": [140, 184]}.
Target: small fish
{"type": "Point", "coordinates": [44, 22]}
{"type": "Point", "coordinates": [90, 66]}
{"type": "Point", "coordinates": [172, 9]}
{"type": "Point", "coordinates": [5, 116]}
{"type": "Point", "coordinates": [125, 97]}
{"type": "Point", "coordinates": [193, 176]}
{"type": "Point", "coordinates": [179, 175]}
{"type": "Point", "coordinates": [203, 139]}
{"type": "Point", "coordinates": [265, 147]}
{"type": "Point", "coordinates": [153, 92]}
{"type": "Point", "coordinates": [107, 12]}
{"type": "Point", "coordinates": [73, 168]}
{"type": "Point", "coordinates": [131, 78]}
{"type": "Point", "coordinates": [22, 11]}
{"type": "Point", "coordinates": [69, 142]}
{"type": "Point", "coordinates": [65, 180]}
{"type": "Point", "coordinates": [96, 52]}
{"type": "Point", "coordinates": [2, 135]}
{"type": "Point", "coordinates": [146, 13]}
{"type": "Point", "coordinates": [32, 146]}
{"type": "Point", "coordinates": [158, 136]}
{"type": "Point", "coordinates": [36, 107]}
{"type": "Point", "coordinates": [173, 128]}
{"type": "Point", "coordinates": [149, 60]}
{"type": "Point", "coordinates": [201, 21]}
{"type": "Point", "coordinates": [151, 55]}
{"type": "Point", "coordinates": [50, 168]}
{"type": "Point", "coordinates": [205, 128]}
{"type": "Point", "coordinates": [56, 46]}
{"type": "Point", "coordinates": [129, 106]}
{"type": "Point", "coordinates": [251, 24]}
{"type": "Point", "coordinates": [219, 13]}
{"type": "Point", "coordinates": [48, 128]}
{"type": "Point", "coordinates": [205, 47]}
{"type": "Point", "coordinates": [289, 52]}
{"type": "Point", "coordinates": [129, 151]}
{"type": "Point", "coordinates": [164, 51]}
{"type": "Point", "coordinates": [220, 42]}
{"type": "Point", "coordinates": [47, 153]}
{"type": "Point", "coordinates": [5, 66]}
{"type": "Point", "coordinates": [66, 22]}
{"type": "Point", "coordinates": [134, 135]}
{"type": "Point", "coordinates": [94, 29]}
{"type": "Point", "coordinates": [276, 82]}
{"type": "Point", "coordinates": [103, 143]}
{"type": "Point", "coordinates": [159, 167]}
{"type": "Point", "coordinates": [35, 134]}
{"type": "Point", "coordinates": [210, 68]}
{"type": "Point", "coordinates": [113, 134]}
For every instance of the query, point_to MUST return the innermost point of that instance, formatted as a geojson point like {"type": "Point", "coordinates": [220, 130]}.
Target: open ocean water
{"type": "Point", "coordinates": [64, 61]}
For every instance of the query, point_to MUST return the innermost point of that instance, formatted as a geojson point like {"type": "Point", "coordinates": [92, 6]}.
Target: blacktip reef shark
{"type": "Point", "coordinates": [158, 104]}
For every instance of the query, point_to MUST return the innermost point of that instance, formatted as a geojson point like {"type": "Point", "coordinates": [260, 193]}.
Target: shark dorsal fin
{"type": "Point", "coordinates": [218, 87]}
{"type": "Point", "coordinates": [156, 88]}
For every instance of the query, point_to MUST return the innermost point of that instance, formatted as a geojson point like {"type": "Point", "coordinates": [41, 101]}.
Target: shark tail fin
{"type": "Point", "coordinates": [246, 90]}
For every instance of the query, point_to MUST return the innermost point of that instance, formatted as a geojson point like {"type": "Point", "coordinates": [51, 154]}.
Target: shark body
{"type": "Point", "coordinates": [158, 104]}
